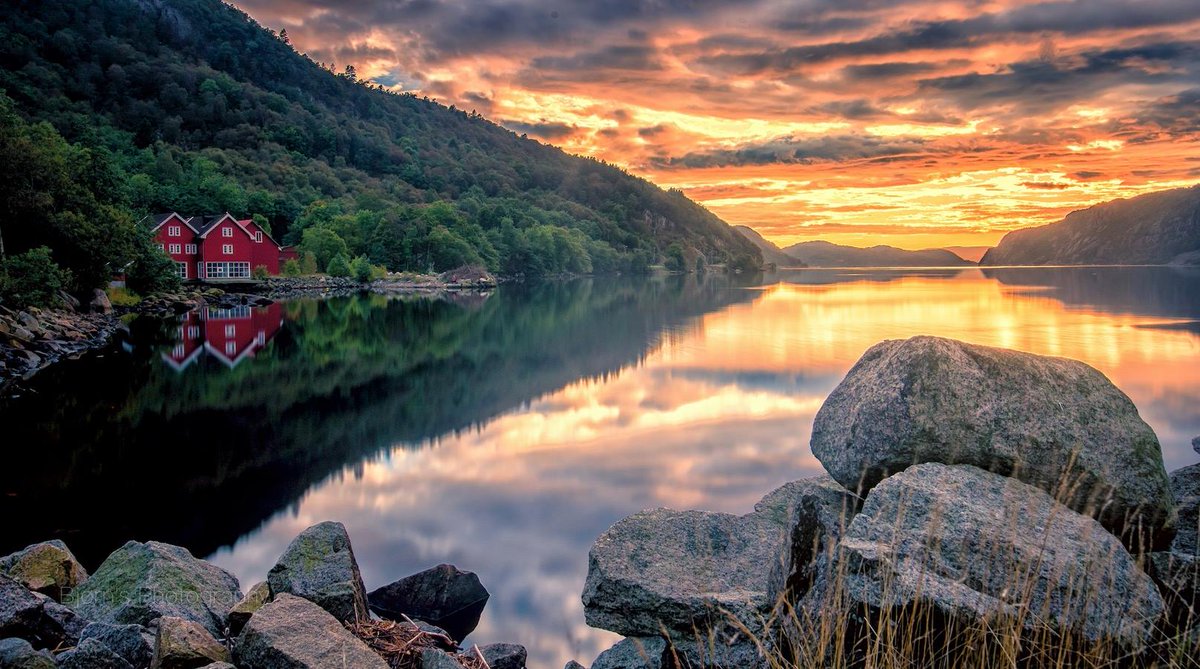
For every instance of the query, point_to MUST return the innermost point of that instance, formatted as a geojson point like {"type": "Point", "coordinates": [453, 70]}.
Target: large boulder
{"type": "Point", "coordinates": [1177, 569]}
{"type": "Point", "coordinates": [259, 594]}
{"type": "Point", "coordinates": [687, 573]}
{"type": "Point", "coordinates": [48, 567]}
{"type": "Point", "coordinates": [183, 644]}
{"type": "Point", "coordinates": [319, 566]}
{"type": "Point", "coordinates": [445, 596]}
{"type": "Point", "coordinates": [963, 546]}
{"type": "Point", "coordinates": [134, 643]}
{"type": "Point", "coordinates": [141, 582]}
{"type": "Point", "coordinates": [35, 617]}
{"type": "Point", "coordinates": [19, 654]}
{"type": "Point", "coordinates": [637, 653]}
{"type": "Point", "coordinates": [1054, 423]}
{"type": "Point", "coordinates": [91, 654]}
{"type": "Point", "coordinates": [294, 633]}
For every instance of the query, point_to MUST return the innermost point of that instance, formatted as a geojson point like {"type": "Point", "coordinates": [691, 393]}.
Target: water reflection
{"type": "Point", "coordinates": [504, 435]}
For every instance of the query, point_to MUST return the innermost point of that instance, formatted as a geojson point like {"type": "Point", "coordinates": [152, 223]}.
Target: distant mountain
{"type": "Point", "coordinates": [1153, 229]}
{"type": "Point", "coordinates": [826, 254]}
{"type": "Point", "coordinates": [968, 253]}
{"type": "Point", "coordinates": [770, 252]}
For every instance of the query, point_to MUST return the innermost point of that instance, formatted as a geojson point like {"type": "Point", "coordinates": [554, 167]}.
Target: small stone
{"type": "Point", "coordinates": [132, 642]}
{"type": "Point", "coordinates": [444, 596]}
{"type": "Point", "coordinates": [504, 655]}
{"type": "Point", "coordinates": [91, 654]}
{"type": "Point", "coordinates": [183, 644]}
{"type": "Point", "coordinates": [18, 654]}
{"type": "Point", "coordinates": [319, 566]}
{"type": "Point", "coordinates": [259, 594]}
{"type": "Point", "coordinates": [47, 567]}
{"type": "Point", "coordinates": [434, 658]}
{"type": "Point", "coordinates": [294, 633]}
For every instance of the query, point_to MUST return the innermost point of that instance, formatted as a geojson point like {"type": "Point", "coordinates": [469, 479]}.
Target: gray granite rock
{"type": "Point", "coordinates": [1177, 570]}
{"type": "Point", "coordinates": [319, 566]}
{"type": "Point", "coordinates": [91, 654]}
{"type": "Point", "coordinates": [48, 567]}
{"type": "Point", "coordinates": [132, 642]}
{"type": "Point", "coordinates": [294, 633]}
{"type": "Point", "coordinates": [445, 596]}
{"type": "Point", "coordinates": [637, 653]}
{"type": "Point", "coordinates": [184, 644]}
{"type": "Point", "coordinates": [816, 512]}
{"type": "Point", "coordinates": [572, 664]}
{"type": "Point", "coordinates": [504, 655]}
{"type": "Point", "coordinates": [259, 594]}
{"type": "Point", "coordinates": [19, 654]}
{"type": "Point", "coordinates": [970, 545]}
{"type": "Point", "coordinates": [434, 658]}
{"type": "Point", "coordinates": [1054, 423]}
{"type": "Point", "coordinates": [141, 582]}
{"type": "Point", "coordinates": [35, 617]}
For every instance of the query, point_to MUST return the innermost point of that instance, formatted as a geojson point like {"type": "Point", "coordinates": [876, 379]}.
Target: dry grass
{"type": "Point", "coordinates": [400, 644]}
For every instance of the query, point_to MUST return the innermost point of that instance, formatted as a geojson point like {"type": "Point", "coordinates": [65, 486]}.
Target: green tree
{"type": "Point", "coordinates": [338, 266]}
{"type": "Point", "coordinates": [291, 267]}
{"type": "Point", "coordinates": [150, 271]}
{"type": "Point", "coordinates": [323, 244]}
{"type": "Point", "coordinates": [675, 261]}
{"type": "Point", "coordinates": [31, 279]}
{"type": "Point", "coordinates": [361, 269]}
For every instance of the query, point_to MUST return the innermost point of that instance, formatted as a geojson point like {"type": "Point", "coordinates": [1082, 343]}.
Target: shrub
{"type": "Point", "coordinates": [260, 272]}
{"type": "Point", "coordinates": [308, 263]}
{"type": "Point", "coordinates": [151, 271]}
{"type": "Point", "coordinates": [291, 267]}
{"type": "Point", "coordinates": [361, 269]}
{"type": "Point", "coordinates": [123, 297]}
{"type": "Point", "coordinates": [338, 266]}
{"type": "Point", "coordinates": [32, 279]}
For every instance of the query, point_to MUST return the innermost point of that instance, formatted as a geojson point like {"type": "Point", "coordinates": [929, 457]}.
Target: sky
{"type": "Point", "coordinates": [914, 123]}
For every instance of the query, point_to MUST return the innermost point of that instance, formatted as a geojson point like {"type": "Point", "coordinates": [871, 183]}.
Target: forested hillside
{"type": "Point", "coordinates": [189, 105]}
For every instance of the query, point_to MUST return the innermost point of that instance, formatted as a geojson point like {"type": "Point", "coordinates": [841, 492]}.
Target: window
{"type": "Point", "coordinates": [258, 236]}
{"type": "Point", "coordinates": [230, 330]}
{"type": "Point", "coordinates": [162, 247]}
{"type": "Point", "coordinates": [226, 231]}
{"type": "Point", "coordinates": [261, 338]}
{"type": "Point", "coordinates": [230, 348]}
{"type": "Point", "coordinates": [226, 270]}
{"type": "Point", "coordinates": [227, 249]}
{"type": "Point", "coordinates": [172, 230]}
{"type": "Point", "coordinates": [178, 351]}
{"type": "Point", "coordinates": [181, 267]}
{"type": "Point", "coordinates": [175, 248]}
{"type": "Point", "coordinates": [190, 249]}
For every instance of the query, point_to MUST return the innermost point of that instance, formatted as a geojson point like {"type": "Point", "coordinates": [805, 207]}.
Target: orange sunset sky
{"type": "Point", "coordinates": [906, 122]}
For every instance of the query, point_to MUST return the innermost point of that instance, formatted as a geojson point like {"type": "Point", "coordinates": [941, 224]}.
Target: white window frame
{"type": "Point", "coordinates": [227, 270]}
{"type": "Point", "coordinates": [230, 347]}
{"type": "Point", "coordinates": [230, 330]}
{"type": "Point", "coordinates": [176, 248]}
{"type": "Point", "coordinates": [189, 249]}
{"type": "Point", "coordinates": [181, 269]}
{"type": "Point", "coordinates": [258, 236]}
{"type": "Point", "coordinates": [173, 230]}
{"type": "Point", "coordinates": [162, 247]}
{"type": "Point", "coordinates": [227, 249]}
{"type": "Point", "coordinates": [193, 331]}
{"type": "Point", "coordinates": [227, 231]}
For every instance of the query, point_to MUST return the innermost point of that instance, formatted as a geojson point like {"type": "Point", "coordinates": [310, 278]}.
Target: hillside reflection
{"type": "Point", "coordinates": [504, 435]}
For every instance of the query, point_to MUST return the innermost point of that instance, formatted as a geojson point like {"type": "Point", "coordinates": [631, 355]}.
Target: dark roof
{"type": "Point", "coordinates": [202, 224]}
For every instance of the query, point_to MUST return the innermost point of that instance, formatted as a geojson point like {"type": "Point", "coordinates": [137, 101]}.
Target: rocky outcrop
{"type": "Point", "coordinates": [1055, 423]}
{"type": "Point", "coordinates": [969, 546]}
{"type": "Point", "coordinates": [134, 643]}
{"type": "Point", "coordinates": [47, 567]}
{"type": "Point", "coordinates": [319, 566]}
{"type": "Point", "coordinates": [826, 254]}
{"type": "Point", "coordinates": [141, 582]}
{"type": "Point", "coordinates": [259, 594]}
{"type": "Point", "coordinates": [444, 596]}
{"type": "Point", "coordinates": [1177, 569]}
{"type": "Point", "coordinates": [33, 339]}
{"type": "Point", "coordinates": [183, 644]}
{"type": "Point", "coordinates": [19, 654]}
{"type": "Point", "coordinates": [294, 633]}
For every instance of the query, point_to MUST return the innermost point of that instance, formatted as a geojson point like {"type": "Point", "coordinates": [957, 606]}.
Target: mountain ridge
{"type": "Point", "coordinates": [771, 253]}
{"type": "Point", "coordinates": [827, 254]}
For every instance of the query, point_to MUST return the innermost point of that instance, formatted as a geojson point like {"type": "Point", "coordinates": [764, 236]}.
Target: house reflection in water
{"type": "Point", "coordinates": [229, 335]}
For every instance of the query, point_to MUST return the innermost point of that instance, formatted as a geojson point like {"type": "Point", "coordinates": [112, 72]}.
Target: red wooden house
{"type": "Point", "coordinates": [229, 335]}
{"type": "Point", "coordinates": [210, 248]}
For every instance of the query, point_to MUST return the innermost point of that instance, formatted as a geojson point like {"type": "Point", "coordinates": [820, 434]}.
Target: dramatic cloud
{"type": "Point", "coordinates": [909, 122]}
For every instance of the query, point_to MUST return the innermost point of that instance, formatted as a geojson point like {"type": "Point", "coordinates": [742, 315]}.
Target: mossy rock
{"type": "Point", "coordinates": [48, 567]}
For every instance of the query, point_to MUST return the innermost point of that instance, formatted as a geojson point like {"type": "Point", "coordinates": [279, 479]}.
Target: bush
{"type": "Point", "coordinates": [338, 266]}
{"type": "Point", "coordinates": [291, 267]}
{"type": "Point", "coordinates": [361, 269]}
{"type": "Point", "coordinates": [151, 271]}
{"type": "Point", "coordinates": [260, 272]}
{"type": "Point", "coordinates": [32, 279]}
{"type": "Point", "coordinates": [123, 297]}
{"type": "Point", "coordinates": [308, 263]}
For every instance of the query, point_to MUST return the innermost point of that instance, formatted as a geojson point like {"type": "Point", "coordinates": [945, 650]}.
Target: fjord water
{"type": "Point", "coordinates": [503, 433]}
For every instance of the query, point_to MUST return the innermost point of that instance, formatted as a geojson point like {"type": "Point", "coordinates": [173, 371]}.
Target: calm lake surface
{"type": "Point", "coordinates": [503, 433]}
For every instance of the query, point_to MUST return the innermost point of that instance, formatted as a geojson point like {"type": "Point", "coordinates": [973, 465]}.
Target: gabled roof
{"type": "Point", "coordinates": [156, 221]}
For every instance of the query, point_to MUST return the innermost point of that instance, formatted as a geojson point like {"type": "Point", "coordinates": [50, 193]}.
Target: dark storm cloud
{"type": "Point", "coordinates": [807, 150]}
{"type": "Point", "coordinates": [550, 131]}
{"type": "Point", "coordinates": [621, 57]}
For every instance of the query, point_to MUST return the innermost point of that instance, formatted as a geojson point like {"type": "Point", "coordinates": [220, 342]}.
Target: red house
{"type": "Point", "coordinates": [229, 335]}
{"type": "Point", "coordinates": [209, 248]}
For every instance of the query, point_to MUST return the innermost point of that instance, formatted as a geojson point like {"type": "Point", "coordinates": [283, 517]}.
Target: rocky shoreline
{"type": "Point", "coordinates": [33, 339]}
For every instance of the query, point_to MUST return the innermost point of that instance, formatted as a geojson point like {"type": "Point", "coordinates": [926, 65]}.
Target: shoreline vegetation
{"type": "Point", "coordinates": [993, 508]}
